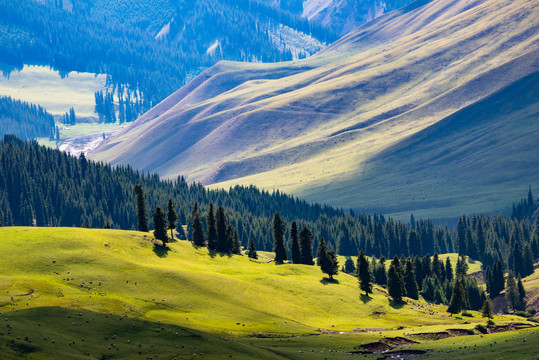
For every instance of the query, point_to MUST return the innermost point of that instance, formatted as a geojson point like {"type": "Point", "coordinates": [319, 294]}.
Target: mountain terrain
{"type": "Point", "coordinates": [455, 79]}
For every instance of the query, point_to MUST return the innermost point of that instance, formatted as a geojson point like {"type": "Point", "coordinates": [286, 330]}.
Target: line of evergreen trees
{"type": "Point", "coordinates": [48, 187]}
{"type": "Point", "coordinates": [25, 120]}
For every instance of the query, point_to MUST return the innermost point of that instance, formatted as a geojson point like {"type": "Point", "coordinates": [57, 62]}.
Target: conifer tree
{"type": "Point", "coordinates": [395, 280]}
{"type": "Point", "coordinates": [172, 217]}
{"type": "Point", "coordinates": [327, 259]}
{"type": "Point", "coordinates": [160, 225]}
{"type": "Point", "coordinates": [306, 246]}
{"type": "Point", "coordinates": [221, 225]}
{"type": "Point", "coordinates": [212, 229]}
{"type": "Point", "coordinates": [438, 267]}
{"type": "Point", "coordinates": [364, 273]}
{"type": "Point", "coordinates": [462, 266]}
{"type": "Point", "coordinates": [296, 252]}
{"type": "Point", "coordinates": [349, 266]}
{"type": "Point", "coordinates": [486, 310]}
{"type": "Point", "coordinates": [142, 217]}
{"type": "Point", "coordinates": [380, 273]}
{"type": "Point", "coordinates": [458, 300]}
{"type": "Point", "coordinates": [448, 269]}
{"type": "Point", "coordinates": [278, 239]}
{"type": "Point", "coordinates": [252, 250]}
{"type": "Point", "coordinates": [511, 292]}
{"type": "Point", "coordinates": [409, 280]}
{"type": "Point", "coordinates": [197, 228]}
{"type": "Point", "coordinates": [521, 294]}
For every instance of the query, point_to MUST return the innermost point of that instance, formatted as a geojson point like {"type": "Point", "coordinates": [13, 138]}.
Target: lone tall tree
{"type": "Point", "coordinates": [327, 259]}
{"type": "Point", "coordinates": [221, 225]}
{"type": "Point", "coordinates": [172, 217]}
{"type": "Point", "coordinates": [212, 229]}
{"type": "Point", "coordinates": [511, 291]}
{"type": "Point", "coordinates": [306, 245]}
{"type": "Point", "coordinates": [160, 225]}
{"type": "Point", "coordinates": [296, 252]}
{"type": "Point", "coordinates": [252, 250]}
{"type": "Point", "coordinates": [278, 239]}
{"type": "Point", "coordinates": [142, 217]}
{"type": "Point", "coordinates": [364, 273]}
{"type": "Point", "coordinates": [197, 235]}
{"type": "Point", "coordinates": [395, 280]}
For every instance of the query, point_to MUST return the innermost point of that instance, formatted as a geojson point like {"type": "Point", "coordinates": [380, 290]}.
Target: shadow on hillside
{"type": "Point", "coordinates": [326, 281]}
{"type": "Point", "coordinates": [160, 250]}
{"type": "Point", "coordinates": [397, 304]}
{"type": "Point", "coordinates": [364, 298]}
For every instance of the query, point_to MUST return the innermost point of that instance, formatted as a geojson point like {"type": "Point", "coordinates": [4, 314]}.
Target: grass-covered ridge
{"type": "Point", "coordinates": [124, 273]}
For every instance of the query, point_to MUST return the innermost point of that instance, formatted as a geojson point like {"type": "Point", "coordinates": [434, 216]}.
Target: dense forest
{"type": "Point", "coordinates": [25, 120]}
{"type": "Point", "coordinates": [113, 39]}
{"type": "Point", "coordinates": [46, 187]}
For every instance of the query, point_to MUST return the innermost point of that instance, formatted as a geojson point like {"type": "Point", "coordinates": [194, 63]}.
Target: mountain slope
{"type": "Point", "coordinates": [310, 127]}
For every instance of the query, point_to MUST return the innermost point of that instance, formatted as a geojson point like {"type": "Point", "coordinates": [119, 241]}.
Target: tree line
{"type": "Point", "coordinates": [27, 121]}
{"type": "Point", "coordinates": [50, 188]}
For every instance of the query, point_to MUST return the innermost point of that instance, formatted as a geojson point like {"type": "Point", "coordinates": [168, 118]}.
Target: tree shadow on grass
{"type": "Point", "coordinates": [397, 304]}
{"type": "Point", "coordinates": [326, 281]}
{"type": "Point", "coordinates": [364, 298]}
{"type": "Point", "coordinates": [160, 250]}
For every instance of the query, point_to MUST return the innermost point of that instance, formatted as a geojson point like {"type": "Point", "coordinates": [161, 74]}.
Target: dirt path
{"type": "Point", "coordinates": [84, 143]}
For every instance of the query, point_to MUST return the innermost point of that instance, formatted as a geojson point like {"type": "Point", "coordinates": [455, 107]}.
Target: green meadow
{"type": "Point", "coordinates": [66, 284]}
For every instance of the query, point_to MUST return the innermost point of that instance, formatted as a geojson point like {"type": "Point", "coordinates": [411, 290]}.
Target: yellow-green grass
{"type": "Point", "coordinates": [123, 272]}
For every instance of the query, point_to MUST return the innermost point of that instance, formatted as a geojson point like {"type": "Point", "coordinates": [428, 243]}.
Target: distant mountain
{"type": "Point", "coordinates": [322, 127]}
{"type": "Point", "coordinates": [152, 46]}
{"type": "Point", "coordinates": [343, 16]}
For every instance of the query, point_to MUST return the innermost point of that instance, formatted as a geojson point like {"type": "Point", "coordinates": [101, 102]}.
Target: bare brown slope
{"type": "Point", "coordinates": [303, 125]}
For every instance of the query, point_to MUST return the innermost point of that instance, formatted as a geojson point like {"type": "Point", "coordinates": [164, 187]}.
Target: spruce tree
{"type": "Point", "coordinates": [458, 300]}
{"type": "Point", "coordinates": [511, 292]}
{"type": "Point", "coordinates": [252, 250]}
{"type": "Point", "coordinates": [160, 225]}
{"type": "Point", "coordinates": [142, 217]}
{"type": "Point", "coordinates": [521, 294]}
{"type": "Point", "coordinates": [486, 310]}
{"type": "Point", "coordinates": [211, 228]}
{"type": "Point", "coordinates": [462, 266]}
{"type": "Point", "coordinates": [349, 266]}
{"type": "Point", "coordinates": [278, 239]}
{"type": "Point", "coordinates": [395, 280]}
{"type": "Point", "coordinates": [172, 217]}
{"type": "Point", "coordinates": [197, 228]}
{"type": "Point", "coordinates": [306, 246]}
{"type": "Point", "coordinates": [296, 252]}
{"type": "Point", "coordinates": [364, 273]}
{"type": "Point", "coordinates": [221, 225]}
{"type": "Point", "coordinates": [448, 269]}
{"type": "Point", "coordinates": [327, 259]}
{"type": "Point", "coordinates": [409, 280]}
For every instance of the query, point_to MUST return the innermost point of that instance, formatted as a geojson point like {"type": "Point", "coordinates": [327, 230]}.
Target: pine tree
{"type": "Point", "coordinates": [395, 280]}
{"type": "Point", "coordinates": [486, 310]}
{"type": "Point", "coordinates": [458, 300]}
{"type": "Point", "coordinates": [409, 280]}
{"type": "Point", "coordinates": [521, 294]}
{"type": "Point", "coordinates": [364, 273]}
{"type": "Point", "coordinates": [252, 250]}
{"type": "Point", "coordinates": [172, 217]}
{"type": "Point", "coordinates": [448, 269]}
{"type": "Point", "coordinates": [278, 239]}
{"type": "Point", "coordinates": [462, 267]}
{"type": "Point", "coordinates": [438, 267]}
{"type": "Point", "coordinates": [349, 266]}
{"type": "Point", "coordinates": [160, 225]}
{"type": "Point", "coordinates": [296, 252]}
{"type": "Point", "coordinates": [212, 229]}
{"type": "Point", "coordinates": [306, 246]}
{"type": "Point", "coordinates": [197, 228]}
{"type": "Point", "coordinates": [511, 291]}
{"type": "Point", "coordinates": [142, 217]}
{"type": "Point", "coordinates": [221, 225]}
{"type": "Point", "coordinates": [327, 260]}
{"type": "Point", "coordinates": [380, 273]}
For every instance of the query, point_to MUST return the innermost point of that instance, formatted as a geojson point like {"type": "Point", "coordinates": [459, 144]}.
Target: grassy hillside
{"type": "Point", "coordinates": [124, 273]}
{"type": "Point", "coordinates": [317, 127]}
{"type": "Point", "coordinates": [77, 293]}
